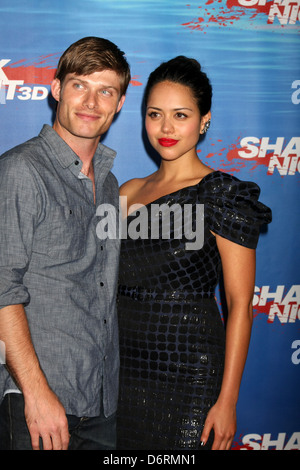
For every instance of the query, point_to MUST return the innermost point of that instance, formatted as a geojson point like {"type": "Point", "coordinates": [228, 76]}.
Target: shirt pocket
{"type": "Point", "coordinates": [63, 234]}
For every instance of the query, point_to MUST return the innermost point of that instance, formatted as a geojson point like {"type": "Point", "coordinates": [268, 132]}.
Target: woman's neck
{"type": "Point", "coordinates": [181, 170]}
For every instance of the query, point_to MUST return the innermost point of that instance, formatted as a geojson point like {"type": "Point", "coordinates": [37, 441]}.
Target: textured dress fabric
{"type": "Point", "coordinates": [172, 339]}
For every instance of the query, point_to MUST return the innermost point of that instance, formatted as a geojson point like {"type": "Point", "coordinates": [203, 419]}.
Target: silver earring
{"type": "Point", "coordinates": [206, 127]}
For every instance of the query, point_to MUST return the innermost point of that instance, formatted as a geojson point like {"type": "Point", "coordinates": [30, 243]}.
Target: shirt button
{"type": "Point", "coordinates": [104, 321]}
{"type": "Point", "coordinates": [76, 162]}
{"type": "Point", "coordinates": [101, 284]}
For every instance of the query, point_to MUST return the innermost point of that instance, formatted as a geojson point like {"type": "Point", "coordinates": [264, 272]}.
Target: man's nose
{"type": "Point", "coordinates": [91, 100]}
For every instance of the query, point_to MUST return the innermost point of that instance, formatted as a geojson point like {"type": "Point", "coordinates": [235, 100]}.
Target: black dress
{"type": "Point", "coordinates": [171, 333]}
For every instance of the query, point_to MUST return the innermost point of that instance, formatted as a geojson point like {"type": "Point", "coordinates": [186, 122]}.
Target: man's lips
{"type": "Point", "coordinates": [167, 142]}
{"type": "Point", "coordinates": [87, 117]}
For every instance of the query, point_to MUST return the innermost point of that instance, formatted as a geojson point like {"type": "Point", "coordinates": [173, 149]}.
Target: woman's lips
{"type": "Point", "coordinates": [167, 142]}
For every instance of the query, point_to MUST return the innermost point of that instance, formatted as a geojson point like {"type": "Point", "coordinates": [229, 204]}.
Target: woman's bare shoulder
{"type": "Point", "coordinates": [133, 185]}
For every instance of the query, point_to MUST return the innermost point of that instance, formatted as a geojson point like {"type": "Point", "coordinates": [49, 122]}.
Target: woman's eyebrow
{"type": "Point", "coordinates": [175, 109]}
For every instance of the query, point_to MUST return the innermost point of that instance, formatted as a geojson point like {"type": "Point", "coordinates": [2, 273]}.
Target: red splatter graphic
{"type": "Point", "coordinates": [135, 82]}
{"type": "Point", "coordinates": [236, 445]}
{"type": "Point", "coordinates": [41, 72]}
{"type": "Point", "coordinates": [224, 16]}
{"type": "Point", "coordinates": [228, 158]}
{"type": "Point", "coordinates": [258, 8]}
{"type": "Point", "coordinates": [233, 154]}
{"type": "Point", "coordinates": [34, 74]}
{"type": "Point", "coordinates": [262, 309]}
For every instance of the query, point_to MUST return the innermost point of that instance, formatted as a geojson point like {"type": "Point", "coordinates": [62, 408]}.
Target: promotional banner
{"type": "Point", "coordinates": [250, 51]}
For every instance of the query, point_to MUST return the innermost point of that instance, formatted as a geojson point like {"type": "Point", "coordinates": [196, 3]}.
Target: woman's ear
{"type": "Point", "coordinates": [205, 123]}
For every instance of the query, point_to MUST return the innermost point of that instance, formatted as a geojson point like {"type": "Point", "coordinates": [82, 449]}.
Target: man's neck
{"type": "Point", "coordinates": [85, 148]}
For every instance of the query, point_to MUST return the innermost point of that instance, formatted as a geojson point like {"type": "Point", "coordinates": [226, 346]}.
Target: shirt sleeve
{"type": "Point", "coordinates": [232, 209]}
{"type": "Point", "coordinates": [18, 215]}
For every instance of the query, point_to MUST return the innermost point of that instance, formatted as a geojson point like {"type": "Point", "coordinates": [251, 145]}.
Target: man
{"type": "Point", "coordinates": [58, 323]}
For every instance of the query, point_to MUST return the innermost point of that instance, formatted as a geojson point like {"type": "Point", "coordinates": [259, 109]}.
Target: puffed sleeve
{"type": "Point", "coordinates": [232, 208]}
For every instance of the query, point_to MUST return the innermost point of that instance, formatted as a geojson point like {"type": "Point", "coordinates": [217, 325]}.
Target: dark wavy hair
{"type": "Point", "coordinates": [187, 72]}
{"type": "Point", "coordinates": [93, 54]}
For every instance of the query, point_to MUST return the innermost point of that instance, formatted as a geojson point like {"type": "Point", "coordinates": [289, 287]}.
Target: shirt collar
{"type": "Point", "coordinates": [67, 157]}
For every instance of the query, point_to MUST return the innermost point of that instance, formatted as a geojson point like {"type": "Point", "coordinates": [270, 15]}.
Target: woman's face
{"type": "Point", "coordinates": [173, 121]}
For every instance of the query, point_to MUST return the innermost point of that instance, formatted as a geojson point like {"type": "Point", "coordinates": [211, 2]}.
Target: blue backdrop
{"type": "Point", "coordinates": [250, 50]}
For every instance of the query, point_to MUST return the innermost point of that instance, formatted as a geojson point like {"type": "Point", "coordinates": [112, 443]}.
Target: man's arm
{"type": "Point", "coordinates": [45, 415]}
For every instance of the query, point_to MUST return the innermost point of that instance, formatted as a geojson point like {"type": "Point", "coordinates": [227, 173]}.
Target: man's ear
{"type": "Point", "coordinates": [55, 89]}
{"type": "Point", "coordinates": [121, 102]}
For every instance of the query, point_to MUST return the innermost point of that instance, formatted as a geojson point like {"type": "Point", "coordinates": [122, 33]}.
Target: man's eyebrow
{"type": "Point", "coordinates": [103, 85]}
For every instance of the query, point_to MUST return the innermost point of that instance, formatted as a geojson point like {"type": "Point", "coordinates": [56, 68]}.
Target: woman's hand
{"type": "Point", "coordinates": [222, 419]}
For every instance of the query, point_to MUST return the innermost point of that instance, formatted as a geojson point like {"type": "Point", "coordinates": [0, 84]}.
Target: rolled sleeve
{"type": "Point", "coordinates": [18, 201]}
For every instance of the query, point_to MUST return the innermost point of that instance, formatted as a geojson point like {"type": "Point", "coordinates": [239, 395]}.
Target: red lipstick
{"type": "Point", "coordinates": [167, 142]}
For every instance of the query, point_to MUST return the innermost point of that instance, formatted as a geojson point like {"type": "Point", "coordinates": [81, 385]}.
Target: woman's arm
{"type": "Point", "coordinates": [238, 265]}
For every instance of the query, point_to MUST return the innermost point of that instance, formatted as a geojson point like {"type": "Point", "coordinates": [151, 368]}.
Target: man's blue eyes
{"type": "Point", "coordinates": [79, 86]}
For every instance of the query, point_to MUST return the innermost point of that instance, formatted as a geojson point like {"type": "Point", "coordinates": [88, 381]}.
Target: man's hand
{"type": "Point", "coordinates": [45, 415]}
{"type": "Point", "coordinates": [46, 419]}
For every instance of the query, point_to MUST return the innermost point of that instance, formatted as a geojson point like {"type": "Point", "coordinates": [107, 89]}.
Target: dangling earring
{"type": "Point", "coordinates": [206, 127]}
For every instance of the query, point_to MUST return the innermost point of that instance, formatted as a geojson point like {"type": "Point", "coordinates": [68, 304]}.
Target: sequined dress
{"type": "Point", "coordinates": [171, 333]}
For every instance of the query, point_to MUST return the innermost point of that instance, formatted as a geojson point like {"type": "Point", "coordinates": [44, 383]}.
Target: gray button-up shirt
{"type": "Point", "coordinates": [53, 262]}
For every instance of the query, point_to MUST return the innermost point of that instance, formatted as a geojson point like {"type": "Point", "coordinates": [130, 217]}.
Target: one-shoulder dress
{"type": "Point", "coordinates": [172, 339]}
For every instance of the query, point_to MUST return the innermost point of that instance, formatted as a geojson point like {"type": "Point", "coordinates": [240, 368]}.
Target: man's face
{"type": "Point", "coordinates": [86, 104]}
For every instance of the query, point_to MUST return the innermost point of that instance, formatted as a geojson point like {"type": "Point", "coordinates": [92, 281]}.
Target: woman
{"type": "Point", "coordinates": [180, 372]}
